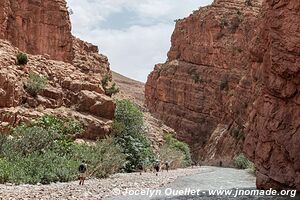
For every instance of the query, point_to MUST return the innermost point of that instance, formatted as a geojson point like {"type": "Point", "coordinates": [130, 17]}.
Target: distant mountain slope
{"type": "Point", "coordinates": [130, 89]}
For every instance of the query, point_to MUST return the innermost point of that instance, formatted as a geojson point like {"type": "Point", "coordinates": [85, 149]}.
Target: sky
{"type": "Point", "coordinates": [134, 34]}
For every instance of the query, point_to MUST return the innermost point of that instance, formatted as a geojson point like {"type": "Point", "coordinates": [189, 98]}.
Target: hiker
{"type": "Point", "coordinates": [167, 164]}
{"type": "Point", "coordinates": [157, 166]}
{"type": "Point", "coordinates": [82, 172]}
{"type": "Point", "coordinates": [141, 168]}
{"type": "Point", "coordinates": [194, 163]}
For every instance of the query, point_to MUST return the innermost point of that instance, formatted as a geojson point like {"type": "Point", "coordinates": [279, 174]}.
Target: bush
{"type": "Point", "coordinates": [175, 157]}
{"type": "Point", "coordinates": [112, 90]}
{"type": "Point", "coordinates": [35, 84]}
{"type": "Point", "coordinates": [40, 152]}
{"type": "Point", "coordinates": [22, 58]}
{"type": "Point", "coordinates": [130, 136]}
{"type": "Point", "coordinates": [62, 126]}
{"type": "Point", "coordinates": [179, 146]}
{"type": "Point", "coordinates": [241, 162]}
{"type": "Point", "coordinates": [105, 80]}
{"type": "Point", "coordinates": [109, 90]}
{"type": "Point", "coordinates": [105, 158]}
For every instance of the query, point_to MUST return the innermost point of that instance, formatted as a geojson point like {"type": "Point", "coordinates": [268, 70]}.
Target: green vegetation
{"type": "Point", "coordinates": [112, 90]}
{"type": "Point", "coordinates": [105, 84]}
{"type": "Point", "coordinates": [41, 152]}
{"type": "Point", "coordinates": [196, 78]}
{"type": "Point", "coordinates": [183, 30]}
{"type": "Point", "coordinates": [248, 2]}
{"type": "Point", "coordinates": [105, 81]}
{"type": "Point", "coordinates": [224, 83]}
{"type": "Point", "coordinates": [195, 75]}
{"type": "Point", "coordinates": [176, 151]}
{"type": "Point", "coordinates": [235, 23]}
{"type": "Point", "coordinates": [223, 23]}
{"type": "Point", "coordinates": [22, 58]}
{"type": "Point", "coordinates": [238, 133]}
{"type": "Point", "coordinates": [35, 83]}
{"type": "Point", "coordinates": [130, 135]}
{"type": "Point", "coordinates": [242, 162]}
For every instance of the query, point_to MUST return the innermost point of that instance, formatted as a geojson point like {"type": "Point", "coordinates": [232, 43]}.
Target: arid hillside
{"type": "Point", "coordinates": [130, 89]}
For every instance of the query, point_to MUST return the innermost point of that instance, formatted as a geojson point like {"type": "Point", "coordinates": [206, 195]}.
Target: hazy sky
{"type": "Point", "coordinates": [134, 34]}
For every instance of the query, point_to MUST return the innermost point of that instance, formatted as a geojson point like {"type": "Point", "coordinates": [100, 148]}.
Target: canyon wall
{"type": "Point", "coordinates": [202, 91]}
{"type": "Point", "coordinates": [231, 84]}
{"type": "Point", "coordinates": [38, 27]}
{"type": "Point", "coordinates": [273, 134]}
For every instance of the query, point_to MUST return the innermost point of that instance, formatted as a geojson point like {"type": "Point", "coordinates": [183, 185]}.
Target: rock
{"type": "Point", "coordinates": [55, 97]}
{"type": "Point", "coordinates": [98, 104]}
{"type": "Point", "coordinates": [88, 59]}
{"type": "Point", "coordinates": [205, 83]}
{"type": "Point", "coordinates": [38, 27]}
{"type": "Point", "coordinates": [43, 28]}
{"type": "Point", "coordinates": [11, 88]}
{"type": "Point", "coordinates": [273, 138]}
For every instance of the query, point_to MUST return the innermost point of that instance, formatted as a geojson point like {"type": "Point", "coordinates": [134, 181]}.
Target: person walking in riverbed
{"type": "Point", "coordinates": [82, 172]}
{"type": "Point", "coordinates": [167, 165]}
{"type": "Point", "coordinates": [157, 166]}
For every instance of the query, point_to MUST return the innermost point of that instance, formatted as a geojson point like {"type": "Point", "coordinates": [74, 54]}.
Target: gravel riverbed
{"type": "Point", "coordinates": [93, 188]}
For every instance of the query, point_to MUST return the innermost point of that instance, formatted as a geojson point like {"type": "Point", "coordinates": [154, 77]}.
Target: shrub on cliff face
{"type": "Point", "coordinates": [130, 135]}
{"type": "Point", "coordinates": [22, 58]}
{"type": "Point", "coordinates": [35, 83]}
{"type": "Point", "coordinates": [40, 152]}
{"type": "Point", "coordinates": [242, 162]}
{"type": "Point", "coordinates": [109, 90]}
{"type": "Point", "coordinates": [112, 90]}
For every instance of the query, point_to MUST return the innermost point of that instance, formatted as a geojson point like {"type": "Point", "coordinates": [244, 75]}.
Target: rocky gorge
{"type": "Point", "coordinates": [230, 85]}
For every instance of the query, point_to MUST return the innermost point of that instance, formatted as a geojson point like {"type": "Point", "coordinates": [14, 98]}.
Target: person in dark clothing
{"type": "Point", "coordinates": [82, 172]}
{"type": "Point", "coordinates": [157, 166]}
{"type": "Point", "coordinates": [167, 164]}
{"type": "Point", "coordinates": [141, 168]}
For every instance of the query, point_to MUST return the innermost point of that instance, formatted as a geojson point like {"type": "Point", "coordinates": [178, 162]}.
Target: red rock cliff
{"type": "Point", "coordinates": [202, 90]}
{"type": "Point", "coordinates": [37, 27]}
{"type": "Point", "coordinates": [73, 87]}
{"type": "Point", "coordinates": [273, 139]}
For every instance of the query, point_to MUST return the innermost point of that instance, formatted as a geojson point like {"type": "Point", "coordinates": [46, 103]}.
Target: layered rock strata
{"type": "Point", "coordinates": [38, 27]}
{"type": "Point", "coordinates": [203, 87]}
{"type": "Point", "coordinates": [273, 139]}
